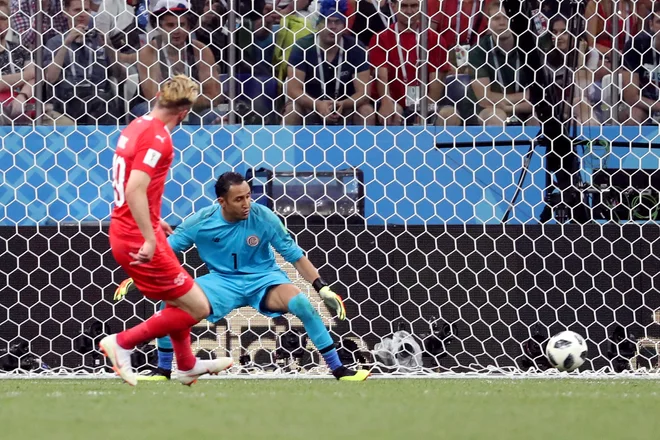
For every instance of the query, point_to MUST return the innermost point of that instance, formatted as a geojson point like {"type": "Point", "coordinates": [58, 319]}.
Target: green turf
{"type": "Point", "coordinates": [319, 409]}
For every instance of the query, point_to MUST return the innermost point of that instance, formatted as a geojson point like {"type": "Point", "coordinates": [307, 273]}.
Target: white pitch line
{"type": "Point", "coordinates": [378, 376]}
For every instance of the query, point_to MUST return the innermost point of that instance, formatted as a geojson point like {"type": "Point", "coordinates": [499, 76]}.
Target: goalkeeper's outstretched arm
{"type": "Point", "coordinates": [306, 269]}
{"type": "Point", "coordinates": [291, 252]}
{"type": "Point", "coordinates": [309, 272]}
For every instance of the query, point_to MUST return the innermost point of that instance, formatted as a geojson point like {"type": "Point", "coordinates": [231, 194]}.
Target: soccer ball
{"type": "Point", "coordinates": [566, 351]}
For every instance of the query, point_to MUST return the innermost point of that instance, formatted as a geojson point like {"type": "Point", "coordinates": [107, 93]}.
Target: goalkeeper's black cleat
{"type": "Point", "coordinates": [159, 374]}
{"type": "Point", "coordinates": [348, 375]}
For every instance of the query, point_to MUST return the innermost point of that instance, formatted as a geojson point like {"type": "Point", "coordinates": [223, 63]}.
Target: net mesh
{"type": "Point", "coordinates": [478, 174]}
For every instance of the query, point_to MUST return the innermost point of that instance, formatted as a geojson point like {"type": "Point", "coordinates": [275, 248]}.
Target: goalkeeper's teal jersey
{"type": "Point", "coordinates": [239, 248]}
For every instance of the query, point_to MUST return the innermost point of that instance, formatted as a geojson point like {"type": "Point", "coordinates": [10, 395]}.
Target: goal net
{"type": "Point", "coordinates": [472, 177]}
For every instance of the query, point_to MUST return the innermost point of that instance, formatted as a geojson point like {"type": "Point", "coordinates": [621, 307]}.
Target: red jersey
{"type": "Point", "coordinates": [144, 145]}
{"type": "Point", "coordinates": [384, 52]}
{"type": "Point", "coordinates": [470, 22]}
{"type": "Point", "coordinates": [627, 27]}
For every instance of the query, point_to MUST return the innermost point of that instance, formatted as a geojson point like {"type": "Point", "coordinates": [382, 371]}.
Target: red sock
{"type": "Point", "coordinates": [162, 323]}
{"type": "Point", "coordinates": [185, 359]}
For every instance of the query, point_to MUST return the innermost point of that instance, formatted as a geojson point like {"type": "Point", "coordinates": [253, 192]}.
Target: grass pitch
{"type": "Point", "coordinates": [326, 409]}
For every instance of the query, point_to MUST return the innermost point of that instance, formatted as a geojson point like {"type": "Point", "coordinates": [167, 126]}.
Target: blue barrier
{"type": "Point", "coordinates": [62, 175]}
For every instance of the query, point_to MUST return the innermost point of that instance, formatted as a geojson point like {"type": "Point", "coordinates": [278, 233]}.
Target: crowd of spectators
{"type": "Point", "coordinates": [333, 62]}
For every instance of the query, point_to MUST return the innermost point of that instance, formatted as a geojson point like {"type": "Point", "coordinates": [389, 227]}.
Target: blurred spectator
{"type": "Point", "coordinates": [371, 17]}
{"type": "Point", "coordinates": [561, 39]}
{"type": "Point", "coordinates": [462, 22]}
{"type": "Point", "coordinates": [602, 93]}
{"type": "Point", "coordinates": [79, 66]}
{"type": "Point", "coordinates": [17, 73]}
{"type": "Point", "coordinates": [644, 8]}
{"type": "Point", "coordinates": [173, 52]}
{"type": "Point", "coordinates": [116, 20]}
{"type": "Point", "coordinates": [550, 8]}
{"type": "Point", "coordinates": [24, 15]}
{"type": "Point", "coordinates": [571, 84]}
{"type": "Point", "coordinates": [113, 16]}
{"type": "Point", "coordinates": [308, 10]}
{"type": "Point", "coordinates": [328, 74]}
{"type": "Point", "coordinates": [255, 39]}
{"type": "Point", "coordinates": [502, 77]}
{"type": "Point", "coordinates": [211, 31]}
{"type": "Point", "coordinates": [292, 26]}
{"type": "Point", "coordinates": [396, 54]}
{"type": "Point", "coordinates": [264, 35]}
{"type": "Point", "coordinates": [600, 30]}
{"type": "Point", "coordinates": [256, 86]}
{"type": "Point", "coordinates": [602, 55]}
{"type": "Point", "coordinates": [642, 73]}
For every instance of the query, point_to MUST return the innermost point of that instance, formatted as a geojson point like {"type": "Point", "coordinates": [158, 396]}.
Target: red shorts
{"type": "Point", "coordinates": [162, 278]}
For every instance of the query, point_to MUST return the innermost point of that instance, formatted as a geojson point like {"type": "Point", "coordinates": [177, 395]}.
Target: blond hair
{"type": "Point", "coordinates": [178, 92]}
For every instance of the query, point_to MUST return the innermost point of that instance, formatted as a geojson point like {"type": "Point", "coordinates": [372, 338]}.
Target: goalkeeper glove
{"type": "Point", "coordinates": [331, 300]}
{"type": "Point", "coordinates": [126, 286]}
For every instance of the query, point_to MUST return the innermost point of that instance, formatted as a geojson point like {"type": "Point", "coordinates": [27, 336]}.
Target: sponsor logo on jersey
{"type": "Point", "coordinates": [180, 279]}
{"type": "Point", "coordinates": [152, 157]}
{"type": "Point", "coordinates": [161, 138]}
{"type": "Point", "coordinates": [252, 240]}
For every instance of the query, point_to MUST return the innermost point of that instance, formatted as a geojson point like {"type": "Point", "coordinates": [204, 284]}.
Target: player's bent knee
{"type": "Point", "coordinates": [201, 309]}
{"type": "Point", "coordinates": [194, 303]}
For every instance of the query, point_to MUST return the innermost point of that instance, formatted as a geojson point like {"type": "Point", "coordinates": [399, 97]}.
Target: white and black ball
{"type": "Point", "coordinates": [566, 351]}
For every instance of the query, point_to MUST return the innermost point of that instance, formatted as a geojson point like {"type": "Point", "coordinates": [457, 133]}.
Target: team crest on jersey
{"type": "Point", "coordinates": [252, 240]}
{"type": "Point", "coordinates": [180, 279]}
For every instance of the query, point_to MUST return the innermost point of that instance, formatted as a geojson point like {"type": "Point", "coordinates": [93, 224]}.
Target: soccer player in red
{"type": "Point", "coordinates": [138, 238]}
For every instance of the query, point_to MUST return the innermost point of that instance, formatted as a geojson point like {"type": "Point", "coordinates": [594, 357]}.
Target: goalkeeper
{"type": "Point", "coordinates": [233, 240]}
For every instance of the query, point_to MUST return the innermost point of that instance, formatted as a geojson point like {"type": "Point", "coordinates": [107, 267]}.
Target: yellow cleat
{"type": "Point", "coordinates": [156, 375]}
{"type": "Point", "coordinates": [156, 378]}
{"type": "Point", "coordinates": [348, 375]}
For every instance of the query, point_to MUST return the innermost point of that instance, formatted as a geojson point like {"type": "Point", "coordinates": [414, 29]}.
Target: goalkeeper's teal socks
{"type": "Point", "coordinates": [300, 306]}
{"type": "Point", "coordinates": [165, 356]}
{"type": "Point", "coordinates": [165, 351]}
